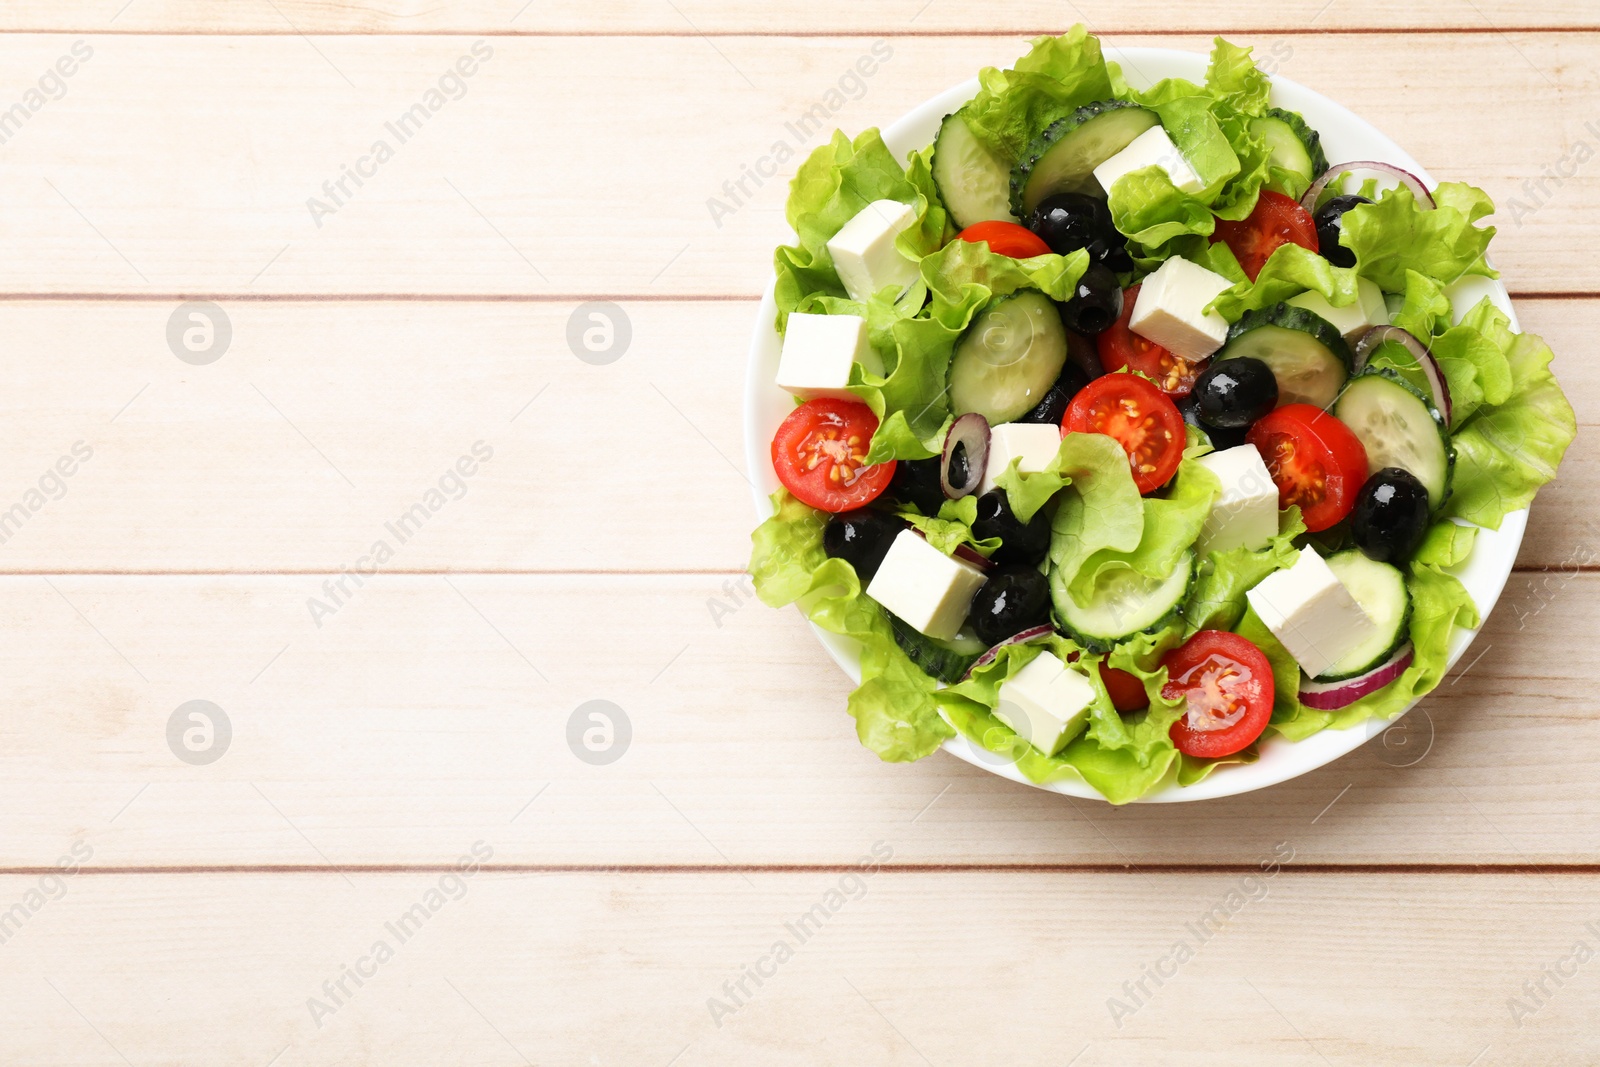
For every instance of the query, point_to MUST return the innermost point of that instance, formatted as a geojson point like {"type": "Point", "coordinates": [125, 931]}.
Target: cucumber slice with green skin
{"type": "Point", "coordinates": [1293, 145]}
{"type": "Point", "coordinates": [1307, 354]}
{"type": "Point", "coordinates": [1010, 356]}
{"type": "Point", "coordinates": [1124, 603]}
{"type": "Point", "coordinates": [1399, 427]}
{"type": "Point", "coordinates": [1062, 158]}
{"type": "Point", "coordinates": [1381, 591]}
{"type": "Point", "coordinates": [945, 660]}
{"type": "Point", "coordinates": [973, 182]}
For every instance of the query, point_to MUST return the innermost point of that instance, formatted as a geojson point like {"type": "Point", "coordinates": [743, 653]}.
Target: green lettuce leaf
{"type": "Point", "coordinates": [830, 188]}
{"type": "Point", "coordinates": [1217, 600]}
{"type": "Point", "coordinates": [952, 527]}
{"type": "Point", "coordinates": [1056, 77]}
{"type": "Point", "coordinates": [1505, 452]}
{"type": "Point", "coordinates": [786, 550]}
{"type": "Point", "coordinates": [1233, 78]}
{"type": "Point", "coordinates": [1289, 271]}
{"type": "Point", "coordinates": [1397, 234]}
{"type": "Point", "coordinates": [1087, 539]}
{"type": "Point", "coordinates": [1425, 310]}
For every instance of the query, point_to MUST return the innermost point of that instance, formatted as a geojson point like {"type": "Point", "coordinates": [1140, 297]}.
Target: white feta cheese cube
{"type": "Point", "coordinates": [1171, 309]}
{"type": "Point", "coordinates": [1310, 611]}
{"type": "Point", "coordinates": [818, 351]}
{"type": "Point", "coordinates": [863, 250]}
{"type": "Point", "coordinates": [924, 588]}
{"type": "Point", "coordinates": [1046, 702]}
{"type": "Point", "coordinates": [1034, 443]}
{"type": "Point", "coordinates": [1245, 512]}
{"type": "Point", "coordinates": [1151, 148]}
{"type": "Point", "coordinates": [1353, 320]}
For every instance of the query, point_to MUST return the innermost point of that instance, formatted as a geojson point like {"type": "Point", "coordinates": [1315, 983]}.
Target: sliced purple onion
{"type": "Point", "coordinates": [1380, 170]}
{"type": "Point", "coordinates": [1082, 353]}
{"type": "Point", "coordinates": [1430, 367]}
{"type": "Point", "coordinates": [973, 556]}
{"type": "Point", "coordinates": [970, 431]}
{"type": "Point", "coordinates": [1331, 696]}
{"type": "Point", "coordinates": [1032, 633]}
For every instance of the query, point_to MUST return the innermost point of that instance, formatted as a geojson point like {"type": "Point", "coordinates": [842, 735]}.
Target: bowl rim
{"type": "Point", "coordinates": [1484, 572]}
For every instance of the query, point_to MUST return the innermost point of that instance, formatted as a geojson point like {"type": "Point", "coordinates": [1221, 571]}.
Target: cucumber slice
{"type": "Point", "coordinates": [1292, 144]}
{"type": "Point", "coordinates": [1010, 356]}
{"type": "Point", "coordinates": [1124, 603]}
{"type": "Point", "coordinates": [1306, 352]}
{"type": "Point", "coordinates": [1381, 591]}
{"type": "Point", "coordinates": [945, 660]}
{"type": "Point", "coordinates": [1062, 158]}
{"type": "Point", "coordinates": [973, 182]}
{"type": "Point", "coordinates": [1399, 428]}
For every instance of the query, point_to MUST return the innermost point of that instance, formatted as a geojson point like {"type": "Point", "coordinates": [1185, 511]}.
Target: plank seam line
{"type": "Point", "coordinates": [641, 572]}
{"type": "Point", "coordinates": [829, 868]}
{"type": "Point", "coordinates": [1239, 31]}
{"type": "Point", "coordinates": [500, 298]}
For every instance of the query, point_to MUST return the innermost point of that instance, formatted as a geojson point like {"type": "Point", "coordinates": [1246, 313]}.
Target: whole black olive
{"type": "Point", "coordinates": [1053, 407]}
{"type": "Point", "coordinates": [1070, 221]}
{"type": "Point", "coordinates": [1012, 600]}
{"type": "Point", "coordinates": [861, 538]}
{"type": "Point", "coordinates": [1220, 437]}
{"type": "Point", "coordinates": [1096, 301]}
{"type": "Point", "coordinates": [1019, 542]}
{"type": "Point", "coordinates": [1390, 517]}
{"type": "Point", "coordinates": [1330, 224]}
{"type": "Point", "coordinates": [916, 481]}
{"type": "Point", "coordinates": [1233, 393]}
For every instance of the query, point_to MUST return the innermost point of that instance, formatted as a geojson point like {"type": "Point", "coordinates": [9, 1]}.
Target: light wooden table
{"type": "Point", "coordinates": [383, 735]}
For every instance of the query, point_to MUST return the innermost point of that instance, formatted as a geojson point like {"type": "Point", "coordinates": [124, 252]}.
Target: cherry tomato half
{"type": "Point", "coordinates": [818, 452]}
{"type": "Point", "coordinates": [1124, 688]}
{"type": "Point", "coordinates": [1277, 220]}
{"type": "Point", "coordinates": [1139, 417]}
{"type": "Point", "coordinates": [1315, 461]}
{"type": "Point", "coordinates": [1120, 347]}
{"type": "Point", "coordinates": [1226, 683]}
{"type": "Point", "coordinates": [1006, 239]}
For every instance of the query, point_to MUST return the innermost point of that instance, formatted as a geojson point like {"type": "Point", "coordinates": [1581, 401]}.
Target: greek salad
{"type": "Point", "coordinates": [1129, 430]}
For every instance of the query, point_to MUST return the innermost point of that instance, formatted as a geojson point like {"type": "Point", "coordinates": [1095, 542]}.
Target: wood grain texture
{"type": "Point", "coordinates": [893, 968]}
{"type": "Point", "coordinates": [499, 192]}
{"type": "Point", "coordinates": [425, 710]}
{"type": "Point", "coordinates": [834, 17]}
{"type": "Point", "coordinates": [242, 465]}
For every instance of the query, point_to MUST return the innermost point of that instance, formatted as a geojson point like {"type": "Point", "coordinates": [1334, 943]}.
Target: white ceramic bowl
{"type": "Point", "coordinates": [1344, 137]}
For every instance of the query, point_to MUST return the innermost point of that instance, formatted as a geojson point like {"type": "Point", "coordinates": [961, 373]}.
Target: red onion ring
{"type": "Point", "coordinates": [1404, 177]}
{"type": "Point", "coordinates": [1331, 696]}
{"type": "Point", "coordinates": [968, 554]}
{"type": "Point", "coordinates": [971, 430]}
{"type": "Point", "coordinates": [1033, 633]}
{"type": "Point", "coordinates": [1378, 335]}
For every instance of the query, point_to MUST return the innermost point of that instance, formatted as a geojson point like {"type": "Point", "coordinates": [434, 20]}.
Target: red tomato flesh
{"type": "Point", "coordinates": [1120, 348]}
{"type": "Point", "coordinates": [819, 453]}
{"type": "Point", "coordinates": [1006, 239]}
{"type": "Point", "coordinates": [1314, 459]}
{"type": "Point", "coordinates": [1226, 685]}
{"type": "Point", "coordinates": [1139, 417]}
{"type": "Point", "coordinates": [1124, 688]}
{"type": "Point", "coordinates": [1277, 220]}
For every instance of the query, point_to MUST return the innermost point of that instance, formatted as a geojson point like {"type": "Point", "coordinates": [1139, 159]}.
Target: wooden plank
{"type": "Point", "coordinates": [891, 968]}
{"type": "Point", "coordinates": [833, 17]}
{"type": "Point", "coordinates": [426, 711]}
{"type": "Point", "coordinates": [106, 196]}
{"type": "Point", "coordinates": [241, 464]}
